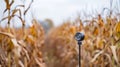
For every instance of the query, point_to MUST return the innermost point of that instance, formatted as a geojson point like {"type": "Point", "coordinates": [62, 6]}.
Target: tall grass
{"type": "Point", "coordinates": [17, 48]}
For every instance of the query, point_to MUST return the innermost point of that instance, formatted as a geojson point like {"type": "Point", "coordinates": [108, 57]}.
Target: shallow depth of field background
{"type": "Point", "coordinates": [40, 33]}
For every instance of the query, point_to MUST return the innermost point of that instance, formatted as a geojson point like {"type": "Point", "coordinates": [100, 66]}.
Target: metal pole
{"type": "Point", "coordinates": [79, 58]}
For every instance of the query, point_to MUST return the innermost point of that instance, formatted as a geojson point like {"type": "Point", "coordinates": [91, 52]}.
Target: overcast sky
{"type": "Point", "coordinates": [60, 10]}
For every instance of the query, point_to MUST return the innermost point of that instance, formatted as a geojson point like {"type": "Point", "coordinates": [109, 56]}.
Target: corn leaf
{"type": "Point", "coordinates": [113, 48]}
{"type": "Point", "coordinates": [28, 7]}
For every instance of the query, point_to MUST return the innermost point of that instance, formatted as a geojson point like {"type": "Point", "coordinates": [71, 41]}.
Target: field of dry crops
{"type": "Point", "coordinates": [31, 47]}
{"type": "Point", "coordinates": [101, 47]}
